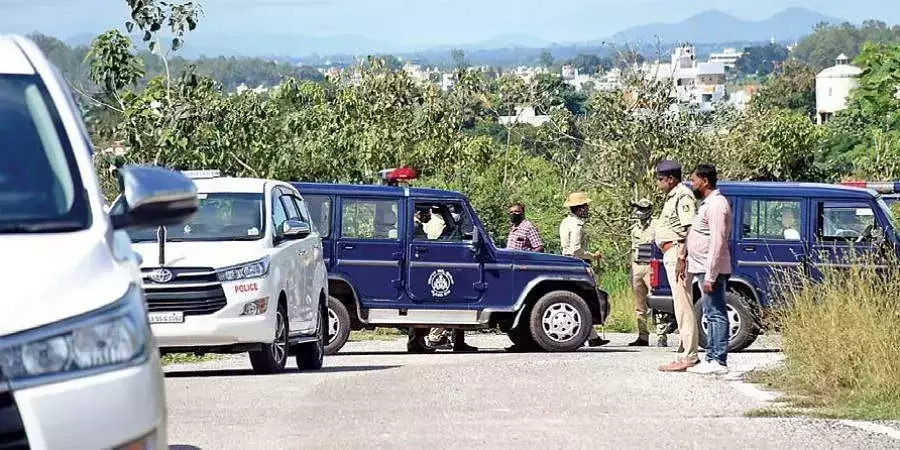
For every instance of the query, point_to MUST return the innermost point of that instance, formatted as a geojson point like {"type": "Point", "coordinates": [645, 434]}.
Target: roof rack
{"type": "Point", "coordinates": [200, 174]}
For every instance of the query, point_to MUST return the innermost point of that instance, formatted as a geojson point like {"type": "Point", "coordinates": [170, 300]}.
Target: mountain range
{"type": "Point", "coordinates": [709, 27]}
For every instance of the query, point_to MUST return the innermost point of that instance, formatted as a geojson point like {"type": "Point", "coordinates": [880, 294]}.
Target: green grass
{"type": "Point", "coordinates": [621, 316]}
{"type": "Point", "coordinates": [379, 334]}
{"type": "Point", "coordinates": [841, 344]}
{"type": "Point", "coordinates": [188, 358]}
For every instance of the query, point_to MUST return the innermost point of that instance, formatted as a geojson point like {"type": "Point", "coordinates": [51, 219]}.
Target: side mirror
{"type": "Point", "coordinates": [154, 196]}
{"type": "Point", "coordinates": [477, 241]}
{"type": "Point", "coordinates": [295, 229]}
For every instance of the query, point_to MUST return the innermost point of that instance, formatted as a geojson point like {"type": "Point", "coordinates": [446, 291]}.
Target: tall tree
{"type": "Point", "coordinates": [761, 60]}
{"type": "Point", "coordinates": [546, 59]}
{"type": "Point", "coordinates": [793, 87]}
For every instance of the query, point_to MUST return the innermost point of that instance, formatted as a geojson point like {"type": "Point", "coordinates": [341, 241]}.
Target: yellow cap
{"type": "Point", "coordinates": [576, 199]}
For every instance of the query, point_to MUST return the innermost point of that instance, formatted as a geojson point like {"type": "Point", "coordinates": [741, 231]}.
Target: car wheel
{"type": "Point", "coordinates": [743, 323]}
{"type": "Point", "coordinates": [273, 357]}
{"type": "Point", "coordinates": [311, 355]}
{"type": "Point", "coordinates": [560, 322]}
{"type": "Point", "coordinates": [338, 326]}
{"type": "Point", "coordinates": [416, 342]}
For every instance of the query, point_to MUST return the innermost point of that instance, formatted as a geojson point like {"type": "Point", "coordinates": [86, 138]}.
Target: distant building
{"type": "Point", "coordinates": [833, 86]}
{"type": "Point", "coordinates": [728, 58]}
{"type": "Point", "coordinates": [524, 115]}
{"type": "Point", "coordinates": [700, 84]}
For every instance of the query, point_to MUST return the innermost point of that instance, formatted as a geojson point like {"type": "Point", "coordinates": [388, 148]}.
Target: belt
{"type": "Point", "coordinates": [666, 246]}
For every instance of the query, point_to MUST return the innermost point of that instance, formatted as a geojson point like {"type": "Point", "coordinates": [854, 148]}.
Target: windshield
{"type": "Point", "coordinates": [221, 217]}
{"type": "Point", "coordinates": [40, 188]}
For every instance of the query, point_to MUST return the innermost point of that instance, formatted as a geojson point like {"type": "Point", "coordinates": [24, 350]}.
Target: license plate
{"type": "Point", "coordinates": [166, 317]}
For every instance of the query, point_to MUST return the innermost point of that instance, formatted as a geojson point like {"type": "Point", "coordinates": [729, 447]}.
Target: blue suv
{"type": "Point", "coordinates": [420, 258]}
{"type": "Point", "coordinates": [782, 227]}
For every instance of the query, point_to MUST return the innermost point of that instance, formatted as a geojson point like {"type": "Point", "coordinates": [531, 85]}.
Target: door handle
{"type": "Point", "coordinates": [421, 249]}
{"type": "Point", "coordinates": [349, 247]}
{"type": "Point", "coordinates": [302, 252]}
{"type": "Point", "coordinates": [749, 248]}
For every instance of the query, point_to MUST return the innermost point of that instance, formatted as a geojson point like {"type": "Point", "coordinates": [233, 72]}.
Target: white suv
{"type": "Point", "coordinates": [79, 367]}
{"type": "Point", "coordinates": [246, 274]}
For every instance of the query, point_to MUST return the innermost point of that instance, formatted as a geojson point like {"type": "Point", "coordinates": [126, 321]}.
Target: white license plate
{"type": "Point", "coordinates": [166, 317]}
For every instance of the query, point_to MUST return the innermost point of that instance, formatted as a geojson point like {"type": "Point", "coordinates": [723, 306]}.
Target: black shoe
{"type": "Point", "coordinates": [597, 342]}
{"type": "Point", "coordinates": [516, 349]}
{"type": "Point", "coordinates": [640, 342]}
{"type": "Point", "coordinates": [464, 348]}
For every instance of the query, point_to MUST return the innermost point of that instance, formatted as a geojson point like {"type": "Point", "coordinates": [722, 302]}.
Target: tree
{"type": "Point", "coordinates": [761, 60]}
{"type": "Point", "coordinates": [589, 63]}
{"type": "Point", "coordinates": [545, 59]}
{"type": "Point", "coordinates": [459, 58]}
{"type": "Point", "coordinates": [793, 87]}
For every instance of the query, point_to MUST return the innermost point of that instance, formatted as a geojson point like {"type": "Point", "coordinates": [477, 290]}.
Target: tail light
{"type": "Point", "coordinates": [654, 273]}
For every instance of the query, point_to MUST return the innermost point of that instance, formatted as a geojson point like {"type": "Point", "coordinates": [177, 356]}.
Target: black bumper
{"type": "Point", "coordinates": [600, 310]}
{"type": "Point", "coordinates": [661, 303]}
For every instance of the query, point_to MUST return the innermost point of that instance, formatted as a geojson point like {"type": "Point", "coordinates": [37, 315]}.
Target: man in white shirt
{"type": "Point", "coordinates": [789, 222]}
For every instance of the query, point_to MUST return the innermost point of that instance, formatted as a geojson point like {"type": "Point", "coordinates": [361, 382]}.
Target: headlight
{"type": "Point", "coordinates": [255, 269]}
{"type": "Point", "coordinates": [109, 337]}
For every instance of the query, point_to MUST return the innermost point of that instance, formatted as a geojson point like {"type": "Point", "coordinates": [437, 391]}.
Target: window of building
{"type": "Point", "coordinates": [369, 219]}
{"type": "Point", "coordinates": [772, 220]}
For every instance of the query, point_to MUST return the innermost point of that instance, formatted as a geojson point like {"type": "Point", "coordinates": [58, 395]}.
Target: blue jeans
{"type": "Point", "coordinates": [716, 318]}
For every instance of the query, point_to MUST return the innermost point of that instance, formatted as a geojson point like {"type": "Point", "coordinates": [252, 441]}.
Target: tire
{"type": "Point", "coordinates": [338, 326]}
{"type": "Point", "coordinates": [416, 342]}
{"type": "Point", "coordinates": [311, 355]}
{"type": "Point", "coordinates": [743, 331]}
{"type": "Point", "coordinates": [273, 357]}
{"type": "Point", "coordinates": [560, 322]}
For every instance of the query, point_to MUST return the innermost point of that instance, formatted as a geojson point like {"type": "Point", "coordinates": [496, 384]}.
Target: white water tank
{"type": "Point", "coordinates": [833, 86]}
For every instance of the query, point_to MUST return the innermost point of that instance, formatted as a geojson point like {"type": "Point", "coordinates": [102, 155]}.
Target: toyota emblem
{"type": "Point", "coordinates": [162, 275]}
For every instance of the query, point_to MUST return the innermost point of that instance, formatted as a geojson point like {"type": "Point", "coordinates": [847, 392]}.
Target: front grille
{"type": "Point", "coordinates": [12, 431]}
{"type": "Point", "coordinates": [195, 291]}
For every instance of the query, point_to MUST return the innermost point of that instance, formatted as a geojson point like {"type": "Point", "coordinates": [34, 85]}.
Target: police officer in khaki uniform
{"type": "Point", "coordinates": [641, 252]}
{"type": "Point", "coordinates": [574, 241]}
{"type": "Point", "coordinates": [671, 230]}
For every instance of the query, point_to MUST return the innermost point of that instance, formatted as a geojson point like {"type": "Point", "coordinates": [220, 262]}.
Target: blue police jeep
{"type": "Point", "coordinates": [419, 258]}
{"type": "Point", "coordinates": [781, 227]}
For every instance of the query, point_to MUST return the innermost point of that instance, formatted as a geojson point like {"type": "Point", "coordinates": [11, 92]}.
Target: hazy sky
{"type": "Point", "coordinates": [423, 22]}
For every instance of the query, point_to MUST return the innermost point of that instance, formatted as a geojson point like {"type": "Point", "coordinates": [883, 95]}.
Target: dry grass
{"type": "Point", "coordinates": [841, 341]}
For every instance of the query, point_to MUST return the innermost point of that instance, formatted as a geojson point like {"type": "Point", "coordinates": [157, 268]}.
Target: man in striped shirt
{"type": "Point", "coordinates": [523, 235]}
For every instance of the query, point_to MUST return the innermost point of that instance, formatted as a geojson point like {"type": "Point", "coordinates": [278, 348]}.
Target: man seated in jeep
{"type": "Point", "coordinates": [789, 222]}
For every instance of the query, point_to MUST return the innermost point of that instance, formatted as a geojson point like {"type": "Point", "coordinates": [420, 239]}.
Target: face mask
{"type": "Point", "coordinates": [583, 213]}
{"type": "Point", "coordinates": [516, 218]}
{"type": "Point", "coordinates": [456, 216]}
{"type": "Point", "coordinates": [642, 215]}
{"type": "Point", "coordinates": [424, 218]}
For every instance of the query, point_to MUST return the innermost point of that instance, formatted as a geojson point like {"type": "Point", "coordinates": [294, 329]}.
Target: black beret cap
{"type": "Point", "coordinates": [667, 167]}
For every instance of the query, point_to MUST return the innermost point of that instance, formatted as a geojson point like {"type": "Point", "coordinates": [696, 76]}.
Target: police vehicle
{"type": "Point", "coordinates": [246, 274]}
{"type": "Point", "coordinates": [779, 228]}
{"type": "Point", "coordinates": [79, 367]}
{"type": "Point", "coordinates": [407, 257]}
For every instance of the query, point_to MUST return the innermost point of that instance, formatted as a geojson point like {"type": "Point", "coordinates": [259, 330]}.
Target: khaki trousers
{"type": "Point", "coordinates": [682, 294]}
{"type": "Point", "coordinates": [640, 284]}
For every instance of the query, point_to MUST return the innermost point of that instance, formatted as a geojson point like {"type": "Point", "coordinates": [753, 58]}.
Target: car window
{"type": "Point", "coordinates": [40, 187]}
{"type": "Point", "coordinates": [278, 214]}
{"type": "Point", "coordinates": [319, 207]}
{"type": "Point", "coordinates": [302, 213]}
{"type": "Point", "coordinates": [369, 219]}
{"type": "Point", "coordinates": [289, 206]}
{"type": "Point", "coordinates": [441, 221]}
{"type": "Point", "coordinates": [772, 220]}
{"type": "Point", "coordinates": [221, 216]}
{"type": "Point", "coordinates": [845, 221]}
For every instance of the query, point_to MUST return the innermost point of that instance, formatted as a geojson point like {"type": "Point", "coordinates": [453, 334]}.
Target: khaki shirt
{"type": "Point", "coordinates": [676, 215]}
{"type": "Point", "coordinates": [434, 227]}
{"type": "Point", "coordinates": [641, 234]}
{"type": "Point", "coordinates": [572, 238]}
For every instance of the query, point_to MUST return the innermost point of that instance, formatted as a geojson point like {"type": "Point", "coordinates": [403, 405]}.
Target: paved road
{"type": "Point", "coordinates": [374, 395]}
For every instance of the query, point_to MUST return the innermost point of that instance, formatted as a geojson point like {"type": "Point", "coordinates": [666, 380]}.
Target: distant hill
{"type": "Point", "coordinates": [716, 26]}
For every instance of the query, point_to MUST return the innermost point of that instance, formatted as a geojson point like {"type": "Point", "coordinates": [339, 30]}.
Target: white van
{"type": "Point", "coordinates": [245, 274]}
{"type": "Point", "coordinates": [79, 367]}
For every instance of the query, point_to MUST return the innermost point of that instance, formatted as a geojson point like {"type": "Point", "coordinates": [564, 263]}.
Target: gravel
{"type": "Point", "coordinates": [375, 395]}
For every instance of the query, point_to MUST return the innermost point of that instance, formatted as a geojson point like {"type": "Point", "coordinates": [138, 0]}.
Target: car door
{"type": "Point", "coordinates": [291, 254]}
{"type": "Point", "coordinates": [320, 211]}
{"type": "Point", "coordinates": [770, 248]}
{"type": "Point", "coordinates": [311, 253]}
{"type": "Point", "coordinates": [444, 267]}
{"type": "Point", "coordinates": [368, 249]}
{"type": "Point", "coordinates": [847, 232]}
